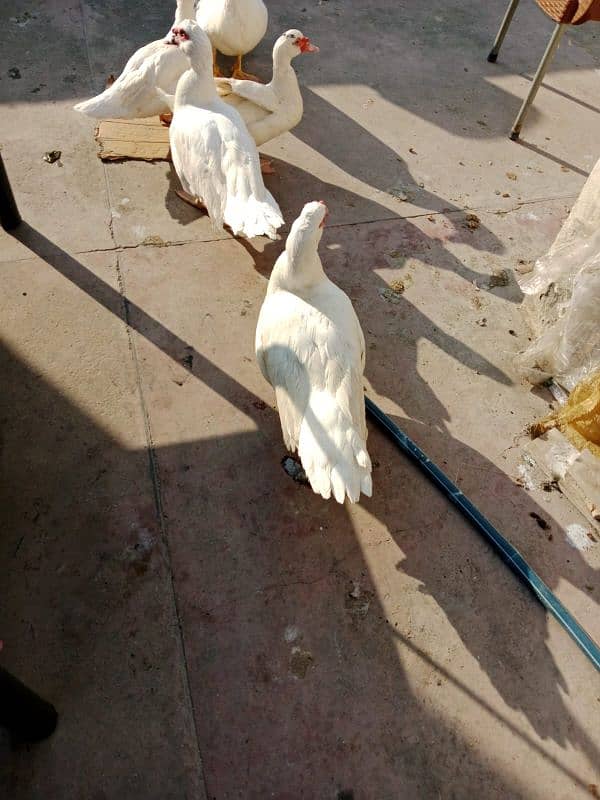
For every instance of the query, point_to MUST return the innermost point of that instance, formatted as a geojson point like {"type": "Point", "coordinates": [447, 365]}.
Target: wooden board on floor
{"type": "Point", "coordinates": [139, 139]}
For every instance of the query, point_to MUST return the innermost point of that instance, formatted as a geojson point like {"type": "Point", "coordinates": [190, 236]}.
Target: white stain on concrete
{"type": "Point", "coordinates": [525, 479]}
{"type": "Point", "coordinates": [577, 536]}
{"type": "Point", "coordinates": [291, 633]}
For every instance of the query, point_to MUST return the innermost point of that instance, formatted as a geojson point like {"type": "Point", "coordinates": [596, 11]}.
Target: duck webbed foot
{"type": "Point", "coordinates": [216, 69]}
{"type": "Point", "coordinates": [188, 198]}
{"type": "Point", "coordinates": [239, 74]}
{"type": "Point", "coordinates": [266, 167]}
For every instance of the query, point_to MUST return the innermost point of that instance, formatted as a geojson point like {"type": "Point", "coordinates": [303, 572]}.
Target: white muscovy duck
{"type": "Point", "coordinates": [234, 28]}
{"type": "Point", "coordinates": [213, 154]}
{"type": "Point", "coordinates": [151, 72]}
{"type": "Point", "coordinates": [275, 108]}
{"type": "Point", "coordinates": [311, 349]}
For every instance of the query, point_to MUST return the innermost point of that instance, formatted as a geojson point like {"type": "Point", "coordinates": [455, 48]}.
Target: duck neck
{"type": "Point", "coordinates": [197, 86]}
{"type": "Point", "coordinates": [283, 72]}
{"type": "Point", "coordinates": [301, 269]}
{"type": "Point", "coordinates": [184, 10]}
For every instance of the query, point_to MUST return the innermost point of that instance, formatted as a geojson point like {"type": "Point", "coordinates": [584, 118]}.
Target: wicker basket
{"type": "Point", "coordinates": [571, 12]}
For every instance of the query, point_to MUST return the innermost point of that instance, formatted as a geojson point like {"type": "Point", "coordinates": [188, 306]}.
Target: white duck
{"type": "Point", "coordinates": [310, 347]}
{"type": "Point", "coordinates": [151, 71]}
{"type": "Point", "coordinates": [275, 108]}
{"type": "Point", "coordinates": [213, 153]}
{"type": "Point", "coordinates": [234, 28]}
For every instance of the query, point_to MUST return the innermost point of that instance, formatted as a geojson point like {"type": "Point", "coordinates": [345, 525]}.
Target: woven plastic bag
{"type": "Point", "coordinates": [563, 298]}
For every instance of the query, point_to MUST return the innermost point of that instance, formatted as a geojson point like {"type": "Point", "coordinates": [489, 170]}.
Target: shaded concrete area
{"type": "Point", "coordinates": [206, 626]}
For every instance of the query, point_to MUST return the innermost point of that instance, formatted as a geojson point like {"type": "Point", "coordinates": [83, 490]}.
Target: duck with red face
{"type": "Point", "coordinates": [276, 107]}
{"type": "Point", "coordinates": [147, 82]}
{"type": "Point", "coordinates": [214, 156]}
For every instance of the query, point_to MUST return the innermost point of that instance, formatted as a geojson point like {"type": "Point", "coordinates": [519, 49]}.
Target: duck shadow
{"type": "Point", "coordinates": [346, 143]}
{"type": "Point", "coordinates": [179, 210]}
{"type": "Point", "coordinates": [405, 237]}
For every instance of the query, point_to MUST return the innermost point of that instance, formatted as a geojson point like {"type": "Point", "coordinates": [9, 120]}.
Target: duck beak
{"type": "Point", "coordinates": [306, 47]}
{"type": "Point", "coordinates": [324, 220]}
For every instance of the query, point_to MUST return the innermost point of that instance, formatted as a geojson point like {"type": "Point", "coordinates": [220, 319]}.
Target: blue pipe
{"type": "Point", "coordinates": [510, 555]}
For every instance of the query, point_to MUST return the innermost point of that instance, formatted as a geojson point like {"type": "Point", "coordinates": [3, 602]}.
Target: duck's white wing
{"type": "Point", "coordinates": [355, 388]}
{"type": "Point", "coordinates": [259, 93]}
{"type": "Point", "coordinates": [300, 350]}
{"type": "Point", "coordinates": [134, 94]}
{"type": "Point", "coordinates": [332, 443]}
{"type": "Point", "coordinates": [281, 339]}
{"type": "Point", "coordinates": [316, 370]}
{"type": "Point", "coordinates": [251, 210]}
{"type": "Point", "coordinates": [217, 161]}
{"type": "Point", "coordinates": [197, 152]}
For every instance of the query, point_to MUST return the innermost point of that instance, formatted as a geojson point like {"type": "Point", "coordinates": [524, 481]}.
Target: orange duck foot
{"type": "Point", "coordinates": [266, 167]}
{"type": "Point", "coordinates": [193, 201]}
{"type": "Point", "coordinates": [216, 69]}
{"type": "Point", "coordinates": [239, 74]}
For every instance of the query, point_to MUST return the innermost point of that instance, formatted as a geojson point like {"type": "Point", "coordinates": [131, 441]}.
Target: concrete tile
{"type": "Point", "coordinates": [66, 201]}
{"type": "Point", "coordinates": [144, 207]}
{"type": "Point", "coordinates": [137, 25]}
{"type": "Point", "coordinates": [84, 564]}
{"type": "Point", "coordinates": [376, 645]}
{"type": "Point", "coordinates": [429, 89]}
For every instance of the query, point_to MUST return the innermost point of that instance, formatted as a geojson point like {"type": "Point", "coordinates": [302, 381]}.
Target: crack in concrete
{"type": "Point", "coordinates": [270, 587]}
{"type": "Point", "coordinates": [152, 456]}
{"type": "Point", "coordinates": [160, 515]}
{"type": "Point", "coordinates": [215, 240]}
{"type": "Point", "coordinates": [520, 203]}
{"type": "Point", "coordinates": [117, 248]}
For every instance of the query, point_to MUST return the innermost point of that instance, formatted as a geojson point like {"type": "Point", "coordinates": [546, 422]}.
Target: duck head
{"type": "Point", "coordinates": [189, 37]}
{"type": "Point", "coordinates": [306, 232]}
{"type": "Point", "coordinates": [292, 43]}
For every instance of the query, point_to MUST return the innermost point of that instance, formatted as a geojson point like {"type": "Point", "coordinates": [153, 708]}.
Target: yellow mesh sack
{"type": "Point", "coordinates": [579, 418]}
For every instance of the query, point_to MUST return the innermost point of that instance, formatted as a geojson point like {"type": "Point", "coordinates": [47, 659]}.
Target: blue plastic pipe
{"type": "Point", "coordinates": [510, 555]}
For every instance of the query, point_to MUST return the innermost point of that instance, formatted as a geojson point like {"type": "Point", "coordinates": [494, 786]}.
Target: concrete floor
{"type": "Point", "coordinates": [206, 627]}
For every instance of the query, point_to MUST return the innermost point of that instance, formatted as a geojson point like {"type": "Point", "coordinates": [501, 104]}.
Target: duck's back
{"type": "Point", "coordinates": [217, 162]}
{"type": "Point", "coordinates": [317, 335]}
{"type": "Point", "coordinates": [134, 94]}
{"type": "Point", "coordinates": [197, 138]}
{"type": "Point", "coordinates": [234, 26]}
{"type": "Point", "coordinates": [311, 349]}
{"type": "Point", "coordinates": [249, 111]}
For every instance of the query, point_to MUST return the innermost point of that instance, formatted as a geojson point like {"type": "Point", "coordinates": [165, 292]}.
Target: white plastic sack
{"type": "Point", "coordinates": [563, 298]}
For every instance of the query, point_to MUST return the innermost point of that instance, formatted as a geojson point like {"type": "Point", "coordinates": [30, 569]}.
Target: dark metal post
{"type": "Point", "coordinates": [27, 717]}
{"type": "Point", "coordinates": [512, 7]}
{"type": "Point", "coordinates": [9, 213]}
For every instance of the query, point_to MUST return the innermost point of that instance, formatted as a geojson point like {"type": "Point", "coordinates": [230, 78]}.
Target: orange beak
{"type": "Point", "coordinates": [305, 45]}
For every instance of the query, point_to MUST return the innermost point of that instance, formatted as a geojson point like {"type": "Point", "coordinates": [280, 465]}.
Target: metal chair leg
{"type": "Point", "coordinates": [9, 213]}
{"type": "Point", "coordinates": [510, 11]}
{"type": "Point", "coordinates": [539, 76]}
